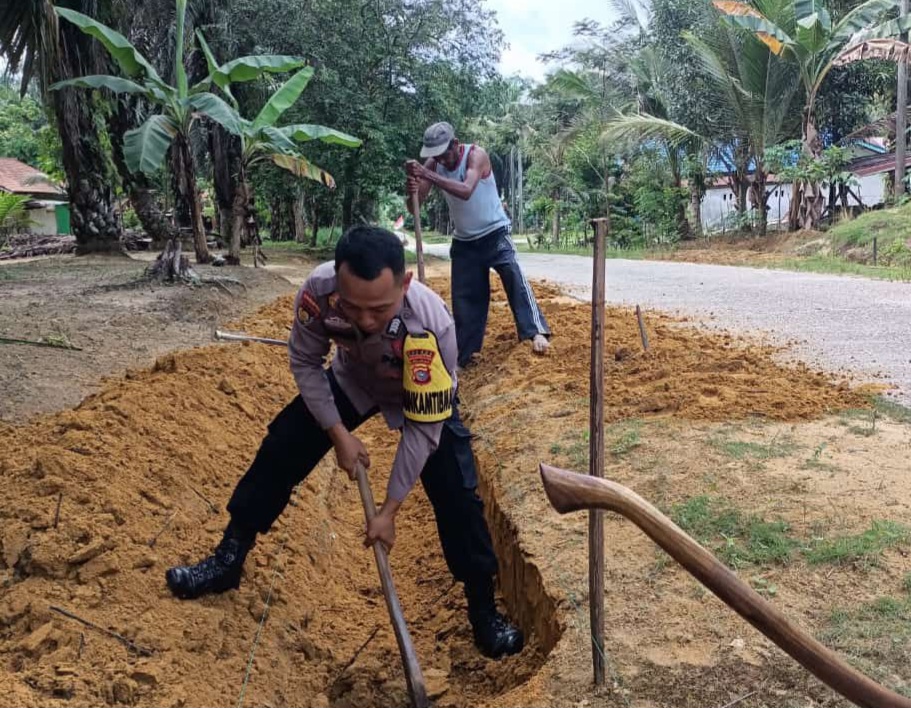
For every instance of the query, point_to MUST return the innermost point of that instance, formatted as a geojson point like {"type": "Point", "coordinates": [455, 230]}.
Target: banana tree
{"type": "Point", "coordinates": [180, 106]}
{"type": "Point", "coordinates": [803, 32]}
{"type": "Point", "coordinates": [262, 141]}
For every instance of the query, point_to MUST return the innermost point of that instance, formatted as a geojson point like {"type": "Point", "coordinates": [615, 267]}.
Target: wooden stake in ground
{"type": "Point", "coordinates": [418, 240]}
{"type": "Point", "coordinates": [414, 677]}
{"type": "Point", "coordinates": [642, 334]}
{"type": "Point", "coordinates": [596, 453]}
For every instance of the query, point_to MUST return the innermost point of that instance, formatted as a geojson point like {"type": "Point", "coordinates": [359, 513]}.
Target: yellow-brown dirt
{"type": "Point", "coordinates": [142, 470]}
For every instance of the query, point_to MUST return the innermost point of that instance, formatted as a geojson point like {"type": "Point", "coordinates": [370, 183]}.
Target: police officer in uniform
{"type": "Point", "coordinates": [395, 354]}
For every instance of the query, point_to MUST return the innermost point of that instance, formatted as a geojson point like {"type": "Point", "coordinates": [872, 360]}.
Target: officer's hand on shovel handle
{"type": "Point", "coordinates": [381, 528]}
{"type": "Point", "coordinates": [349, 450]}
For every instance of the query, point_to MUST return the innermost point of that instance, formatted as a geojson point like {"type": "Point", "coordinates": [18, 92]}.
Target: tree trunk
{"type": "Point", "coordinates": [811, 198]}
{"type": "Point", "coordinates": [225, 151]}
{"type": "Point", "coordinates": [89, 185]}
{"type": "Point", "coordinates": [299, 222]}
{"type": "Point", "coordinates": [518, 209]}
{"type": "Point", "coordinates": [281, 221]}
{"type": "Point", "coordinates": [137, 186]}
{"type": "Point", "coordinates": [348, 206]}
{"type": "Point", "coordinates": [171, 266]}
{"type": "Point", "coordinates": [151, 216]}
{"type": "Point", "coordinates": [759, 201]}
{"type": "Point", "coordinates": [240, 210]}
{"type": "Point", "coordinates": [180, 189]}
{"type": "Point", "coordinates": [794, 207]}
{"type": "Point", "coordinates": [683, 225]}
{"type": "Point", "coordinates": [187, 165]}
{"type": "Point", "coordinates": [314, 225]}
{"type": "Point", "coordinates": [696, 206]}
{"type": "Point", "coordinates": [901, 113]}
{"type": "Point", "coordinates": [555, 225]}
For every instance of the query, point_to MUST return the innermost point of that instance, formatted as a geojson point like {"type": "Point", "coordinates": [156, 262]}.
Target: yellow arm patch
{"type": "Point", "coordinates": [428, 385]}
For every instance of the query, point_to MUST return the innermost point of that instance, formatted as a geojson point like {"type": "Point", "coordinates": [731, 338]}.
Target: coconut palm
{"type": "Point", "coordinates": [802, 32]}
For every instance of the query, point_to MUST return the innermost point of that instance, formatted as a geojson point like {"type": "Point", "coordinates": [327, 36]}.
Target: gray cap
{"type": "Point", "coordinates": [436, 139]}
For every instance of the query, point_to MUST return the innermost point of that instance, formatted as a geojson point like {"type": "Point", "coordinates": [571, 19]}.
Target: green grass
{"type": "Point", "coordinates": [891, 409]}
{"type": "Point", "coordinates": [885, 224]}
{"type": "Point", "coordinates": [738, 539]}
{"type": "Point", "coordinates": [876, 635]}
{"type": "Point", "coordinates": [624, 437]}
{"type": "Point", "coordinates": [619, 440]}
{"type": "Point", "coordinates": [741, 449]}
{"type": "Point", "coordinates": [864, 549]}
{"type": "Point", "coordinates": [859, 421]}
{"type": "Point", "coordinates": [578, 452]}
{"type": "Point", "coordinates": [838, 266]}
{"type": "Point", "coordinates": [815, 461]}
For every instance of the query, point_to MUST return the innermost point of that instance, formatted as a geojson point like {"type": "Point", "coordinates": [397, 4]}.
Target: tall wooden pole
{"type": "Point", "coordinates": [901, 114]}
{"type": "Point", "coordinates": [596, 452]}
{"type": "Point", "coordinates": [418, 241]}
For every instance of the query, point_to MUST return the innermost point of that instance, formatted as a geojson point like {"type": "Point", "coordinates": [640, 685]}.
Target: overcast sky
{"type": "Point", "coordinates": [535, 26]}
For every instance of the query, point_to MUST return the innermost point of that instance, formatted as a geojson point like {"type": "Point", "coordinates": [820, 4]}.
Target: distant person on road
{"type": "Point", "coordinates": [482, 240]}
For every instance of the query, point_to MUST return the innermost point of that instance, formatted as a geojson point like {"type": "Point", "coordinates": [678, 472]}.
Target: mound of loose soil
{"type": "Point", "coordinates": [101, 499]}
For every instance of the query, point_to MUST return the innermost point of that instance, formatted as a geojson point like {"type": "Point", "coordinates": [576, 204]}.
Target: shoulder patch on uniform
{"type": "Point", "coordinates": [307, 307]}
{"type": "Point", "coordinates": [394, 327]}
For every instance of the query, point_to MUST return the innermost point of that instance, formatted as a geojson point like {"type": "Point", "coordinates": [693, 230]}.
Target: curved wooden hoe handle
{"type": "Point", "coordinates": [570, 491]}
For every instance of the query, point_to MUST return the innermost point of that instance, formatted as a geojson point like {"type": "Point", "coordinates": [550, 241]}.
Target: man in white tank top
{"type": "Point", "coordinates": [481, 241]}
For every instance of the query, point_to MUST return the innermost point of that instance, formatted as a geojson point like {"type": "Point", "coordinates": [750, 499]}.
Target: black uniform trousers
{"type": "Point", "coordinates": [296, 443]}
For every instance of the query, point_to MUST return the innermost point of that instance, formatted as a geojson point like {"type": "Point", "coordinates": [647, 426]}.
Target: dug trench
{"type": "Point", "coordinates": [101, 499]}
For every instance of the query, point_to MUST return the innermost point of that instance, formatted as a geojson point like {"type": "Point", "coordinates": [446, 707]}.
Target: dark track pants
{"type": "Point", "coordinates": [471, 264]}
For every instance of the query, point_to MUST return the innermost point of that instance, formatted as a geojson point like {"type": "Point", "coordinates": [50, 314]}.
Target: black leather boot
{"type": "Point", "coordinates": [494, 635]}
{"type": "Point", "coordinates": [217, 573]}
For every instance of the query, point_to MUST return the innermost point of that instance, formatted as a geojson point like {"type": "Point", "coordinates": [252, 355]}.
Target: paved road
{"type": "Point", "coordinates": [843, 323]}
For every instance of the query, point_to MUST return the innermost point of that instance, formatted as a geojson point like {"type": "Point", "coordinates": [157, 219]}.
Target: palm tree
{"type": "Point", "coordinates": [145, 148]}
{"type": "Point", "coordinates": [598, 97]}
{"type": "Point", "coordinates": [755, 96]}
{"type": "Point", "coordinates": [34, 43]}
{"type": "Point", "coordinates": [802, 32]}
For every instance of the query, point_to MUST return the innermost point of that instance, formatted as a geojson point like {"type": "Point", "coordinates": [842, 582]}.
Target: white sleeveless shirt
{"type": "Point", "coordinates": [483, 212]}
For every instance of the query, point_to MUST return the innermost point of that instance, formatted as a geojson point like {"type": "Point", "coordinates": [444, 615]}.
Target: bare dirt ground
{"type": "Point", "coordinates": [778, 469]}
{"type": "Point", "coordinates": [118, 319]}
{"type": "Point", "coordinates": [747, 250]}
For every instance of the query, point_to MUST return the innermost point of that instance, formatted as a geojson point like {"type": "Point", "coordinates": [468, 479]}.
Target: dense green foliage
{"type": "Point", "coordinates": [638, 117]}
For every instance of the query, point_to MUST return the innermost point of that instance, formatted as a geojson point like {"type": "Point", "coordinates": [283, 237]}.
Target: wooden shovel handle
{"type": "Point", "coordinates": [413, 674]}
{"type": "Point", "coordinates": [418, 240]}
{"type": "Point", "coordinates": [570, 491]}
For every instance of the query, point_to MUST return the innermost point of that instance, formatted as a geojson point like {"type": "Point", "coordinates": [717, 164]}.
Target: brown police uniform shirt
{"type": "Point", "coordinates": [411, 379]}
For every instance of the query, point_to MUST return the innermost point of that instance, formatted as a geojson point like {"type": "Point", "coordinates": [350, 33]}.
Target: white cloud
{"type": "Point", "coordinates": [532, 27]}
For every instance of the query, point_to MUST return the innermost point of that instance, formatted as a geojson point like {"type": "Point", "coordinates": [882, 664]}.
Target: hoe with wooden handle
{"type": "Point", "coordinates": [413, 675]}
{"type": "Point", "coordinates": [570, 491]}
